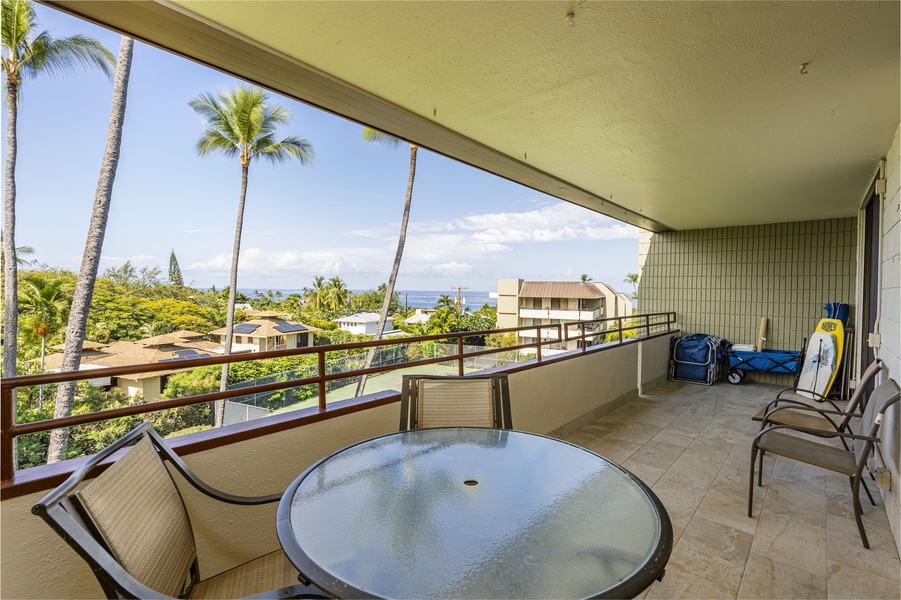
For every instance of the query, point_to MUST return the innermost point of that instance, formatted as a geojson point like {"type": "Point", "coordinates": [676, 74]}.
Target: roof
{"type": "Point", "coordinates": [267, 327]}
{"type": "Point", "coordinates": [559, 289]}
{"type": "Point", "coordinates": [122, 354]}
{"type": "Point", "coordinates": [86, 345]}
{"type": "Point", "coordinates": [360, 318]}
{"type": "Point", "coordinates": [172, 338]}
{"type": "Point", "coordinates": [659, 114]}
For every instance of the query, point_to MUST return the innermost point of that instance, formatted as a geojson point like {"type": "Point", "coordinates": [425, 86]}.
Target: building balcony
{"type": "Point", "coordinates": [689, 443]}
{"type": "Point", "coordinates": [560, 314]}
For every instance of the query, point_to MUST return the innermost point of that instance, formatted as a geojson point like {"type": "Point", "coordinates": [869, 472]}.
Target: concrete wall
{"type": "Point", "coordinates": [508, 303]}
{"type": "Point", "coordinates": [556, 397]}
{"type": "Point", "coordinates": [890, 323]}
{"type": "Point", "coordinates": [722, 281]}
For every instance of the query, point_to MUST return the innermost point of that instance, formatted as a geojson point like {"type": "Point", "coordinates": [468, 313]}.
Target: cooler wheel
{"type": "Point", "coordinates": [735, 376]}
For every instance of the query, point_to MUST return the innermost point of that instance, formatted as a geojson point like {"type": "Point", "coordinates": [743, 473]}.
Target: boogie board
{"type": "Point", "coordinates": [823, 358]}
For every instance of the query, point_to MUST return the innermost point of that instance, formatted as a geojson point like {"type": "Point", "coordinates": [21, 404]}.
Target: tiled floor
{"type": "Point", "coordinates": [691, 444]}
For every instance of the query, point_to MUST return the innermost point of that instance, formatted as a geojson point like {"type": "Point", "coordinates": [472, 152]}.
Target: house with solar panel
{"type": "Point", "coordinates": [268, 330]}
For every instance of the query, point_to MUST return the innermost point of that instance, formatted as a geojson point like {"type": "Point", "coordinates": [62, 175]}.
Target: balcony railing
{"type": "Point", "coordinates": [587, 331]}
{"type": "Point", "coordinates": [564, 314]}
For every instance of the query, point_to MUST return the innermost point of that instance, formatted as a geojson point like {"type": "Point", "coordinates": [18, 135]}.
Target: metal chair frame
{"type": "Point", "coordinates": [862, 446]}
{"type": "Point", "coordinates": [62, 510]}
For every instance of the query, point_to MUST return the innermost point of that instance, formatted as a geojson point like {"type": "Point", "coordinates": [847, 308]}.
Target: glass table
{"type": "Point", "coordinates": [473, 513]}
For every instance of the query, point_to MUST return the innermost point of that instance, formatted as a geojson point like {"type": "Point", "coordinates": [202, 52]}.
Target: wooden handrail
{"type": "Point", "coordinates": [9, 430]}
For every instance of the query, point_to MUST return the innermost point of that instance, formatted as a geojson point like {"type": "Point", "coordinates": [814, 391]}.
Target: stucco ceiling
{"type": "Point", "coordinates": [667, 115]}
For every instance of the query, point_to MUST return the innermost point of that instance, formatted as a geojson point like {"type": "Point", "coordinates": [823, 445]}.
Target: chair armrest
{"type": "Point", "coordinates": [798, 407]}
{"type": "Point", "coordinates": [852, 436]}
{"type": "Point", "coordinates": [212, 492]}
{"type": "Point", "coordinates": [821, 397]}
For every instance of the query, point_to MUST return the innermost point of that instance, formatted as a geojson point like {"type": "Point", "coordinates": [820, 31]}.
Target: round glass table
{"type": "Point", "coordinates": [473, 513]}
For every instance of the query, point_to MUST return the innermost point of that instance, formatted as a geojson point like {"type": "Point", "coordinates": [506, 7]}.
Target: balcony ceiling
{"type": "Point", "coordinates": [674, 115]}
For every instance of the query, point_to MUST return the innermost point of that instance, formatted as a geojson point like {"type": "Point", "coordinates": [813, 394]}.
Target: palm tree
{"type": "Point", "coordinates": [445, 301]}
{"type": "Point", "coordinates": [375, 136]}
{"type": "Point", "coordinates": [242, 123]}
{"type": "Point", "coordinates": [27, 53]}
{"type": "Point", "coordinates": [632, 279]}
{"type": "Point", "coordinates": [315, 296]}
{"type": "Point", "coordinates": [337, 293]}
{"type": "Point", "coordinates": [90, 262]}
{"type": "Point", "coordinates": [45, 305]}
{"type": "Point", "coordinates": [586, 278]}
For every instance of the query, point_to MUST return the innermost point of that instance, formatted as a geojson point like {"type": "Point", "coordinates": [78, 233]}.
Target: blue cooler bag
{"type": "Point", "coordinates": [695, 358]}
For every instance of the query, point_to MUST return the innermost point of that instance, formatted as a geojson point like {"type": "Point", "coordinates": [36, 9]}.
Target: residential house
{"type": "Point", "coordinates": [168, 348]}
{"type": "Point", "coordinates": [268, 330]}
{"type": "Point", "coordinates": [522, 303]}
{"type": "Point", "coordinates": [363, 322]}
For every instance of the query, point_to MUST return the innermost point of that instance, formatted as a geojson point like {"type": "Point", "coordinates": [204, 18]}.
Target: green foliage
{"type": "Point", "coordinates": [175, 277]}
{"type": "Point", "coordinates": [625, 335]}
{"type": "Point", "coordinates": [501, 340]}
{"type": "Point", "coordinates": [373, 299]}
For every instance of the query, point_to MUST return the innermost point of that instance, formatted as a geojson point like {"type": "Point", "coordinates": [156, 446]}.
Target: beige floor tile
{"type": "Point", "coordinates": [635, 432]}
{"type": "Point", "coordinates": [849, 582]}
{"type": "Point", "coordinates": [670, 435]}
{"type": "Point", "coordinates": [846, 549]}
{"type": "Point", "coordinates": [713, 551]}
{"type": "Point", "coordinates": [649, 474]}
{"type": "Point", "coordinates": [766, 578]}
{"type": "Point", "coordinates": [729, 507]}
{"type": "Point", "coordinates": [618, 451]}
{"type": "Point", "coordinates": [678, 583]}
{"type": "Point", "coordinates": [791, 539]}
{"type": "Point", "coordinates": [658, 454]}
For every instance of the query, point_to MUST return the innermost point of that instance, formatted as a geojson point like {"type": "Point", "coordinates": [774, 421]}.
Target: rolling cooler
{"type": "Point", "coordinates": [695, 358]}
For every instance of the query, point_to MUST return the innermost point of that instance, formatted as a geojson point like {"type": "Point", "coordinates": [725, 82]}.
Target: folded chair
{"type": "Point", "coordinates": [814, 422]}
{"type": "Point", "coordinates": [850, 462]}
{"type": "Point", "coordinates": [442, 401]}
{"type": "Point", "coordinates": [130, 525]}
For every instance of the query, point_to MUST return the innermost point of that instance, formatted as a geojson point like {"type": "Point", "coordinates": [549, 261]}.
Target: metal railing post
{"type": "Point", "coordinates": [323, 384]}
{"type": "Point", "coordinates": [538, 343]}
{"type": "Point", "coordinates": [460, 355]}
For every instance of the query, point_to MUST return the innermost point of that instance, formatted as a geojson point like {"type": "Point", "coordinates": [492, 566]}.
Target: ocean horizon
{"type": "Point", "coordinates": [471, 299]}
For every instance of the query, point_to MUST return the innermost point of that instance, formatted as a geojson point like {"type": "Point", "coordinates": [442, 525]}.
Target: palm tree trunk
{"type": "Point", "coordinates": [10, 268]}
{"type": "Point", "coordinates": [90, 263]}
{"type": "Point", "coordinates": [389, 290]}
{"type": "Point", "coordinates": [232, 292]}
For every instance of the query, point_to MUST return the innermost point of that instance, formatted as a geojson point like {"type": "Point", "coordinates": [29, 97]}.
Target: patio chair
{"type": "Point", "coordinates": [131, 526]}
{"type": "Point", "coordinates": [815, 422]}
{"type": "Point", "coordinates": [840, 460]}
{"type": "Point", "coordinates": [442, 401]}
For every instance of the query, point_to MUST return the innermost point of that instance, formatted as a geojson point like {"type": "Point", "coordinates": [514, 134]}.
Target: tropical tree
{"type": "Point", "coordinates": [28, 52]}
{"type": "Point", "coordinates": [445, 301]}
{"type": "Point", "coordinates": [175, 277]}
{"type": "Point", "coordinates": [90, 262]}
{"type": "Point", "coordinates": [632, 279]}
{"type": "Point", "coordinates": [586, 278]}
{"type": "Point", "coordinates": [243, 123]}
{"type": "Point", "coordinates": [375, 136]}
{"type": "Point", "coordinates": [336, 293]}
{"type": "Point", "coordinates": [20, 252]}
{"type": "Point", "coordinates": [315, 296]}
{"type": "Point", "coordinates": [45, 305]}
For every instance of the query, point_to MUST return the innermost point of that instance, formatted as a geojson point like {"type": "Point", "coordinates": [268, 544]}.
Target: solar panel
{"type": "Point", "coordinates": [246, 327]}
{"type": "Point", "coordinates": [186, 354]}
{"type": "Point", "coordinates": [289, 327]}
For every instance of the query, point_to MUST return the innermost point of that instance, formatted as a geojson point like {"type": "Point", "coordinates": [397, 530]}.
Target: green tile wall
{"type": "Point", "coordinates": [722, 281]}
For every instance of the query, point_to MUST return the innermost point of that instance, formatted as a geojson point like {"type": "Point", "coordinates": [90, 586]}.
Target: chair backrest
{"type": "Point", "coordinates": [858, 400]}
{"type": "Point", "coordinates": [885, 395]}
{"type": "Point", "coordinates": [129, 522]}
{"type": "Point", "coordinates": [429, 401]}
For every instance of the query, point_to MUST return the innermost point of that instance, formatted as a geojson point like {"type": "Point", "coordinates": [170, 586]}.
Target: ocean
{"type": "Point", "coordinates": [473, 300]}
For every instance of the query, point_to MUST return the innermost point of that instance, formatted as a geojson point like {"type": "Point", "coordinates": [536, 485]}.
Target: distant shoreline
{"type": "Point", "coordinates": [472, 299]}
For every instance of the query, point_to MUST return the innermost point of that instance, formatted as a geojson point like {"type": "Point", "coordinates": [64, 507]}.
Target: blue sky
{"type": "Point", "coordinates": [339, 217]}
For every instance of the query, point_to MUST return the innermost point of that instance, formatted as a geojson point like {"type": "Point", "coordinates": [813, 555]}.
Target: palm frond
{"type": "Point", "coordinates": [290, 147]}
{"type": "Point", "coordinates": [17, 20]}
{"type": "Point", "coordinates": [63, 56]}
{"type": "Point", "coordinates": [374, 136]}
{"type": "Point", "coordinates": [214, 140]}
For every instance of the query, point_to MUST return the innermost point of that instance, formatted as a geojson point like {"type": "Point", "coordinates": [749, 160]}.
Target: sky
{"type": "Point", "coordinates": [340, 216]}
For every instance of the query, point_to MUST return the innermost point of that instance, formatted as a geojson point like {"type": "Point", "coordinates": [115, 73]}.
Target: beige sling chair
{"type": "Point", "coordinates": [131, 526]}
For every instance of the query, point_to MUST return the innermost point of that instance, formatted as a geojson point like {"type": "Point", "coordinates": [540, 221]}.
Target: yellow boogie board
{"type": "Point", "coordinates": [823, 358]}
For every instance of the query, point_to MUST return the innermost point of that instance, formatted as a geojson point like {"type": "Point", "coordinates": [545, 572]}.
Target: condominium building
{"type": "Point", "coordinates": [523, 303]}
